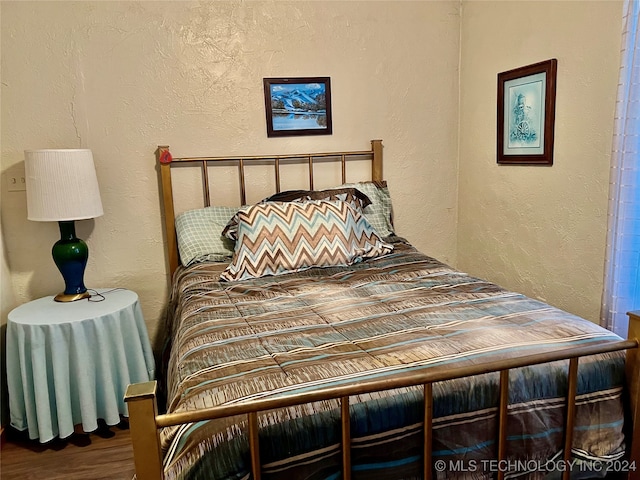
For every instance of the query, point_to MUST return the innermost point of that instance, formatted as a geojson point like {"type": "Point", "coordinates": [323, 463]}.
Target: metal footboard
{"type": "Point", "coordinates": [145, 420]}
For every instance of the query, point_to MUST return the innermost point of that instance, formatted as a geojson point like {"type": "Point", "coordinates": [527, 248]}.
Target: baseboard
{"type": "Point", "coordinates": [3, 434]}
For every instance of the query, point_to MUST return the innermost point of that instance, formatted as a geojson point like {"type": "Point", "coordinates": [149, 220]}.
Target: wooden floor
{"type": "Point", "coordinates": [103, 454]}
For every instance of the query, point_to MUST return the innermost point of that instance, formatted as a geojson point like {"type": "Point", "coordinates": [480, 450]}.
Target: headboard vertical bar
{"type": "Point", "coordinates": [376, 166]}
{"type": "Point", "coordinates": [205, 184]}
{"type": "Point", "coordinates": [243, 190]}
{"type": "Point", "coordinates": [310, 158]}
{"type": "Point", "coordinates": [162, 153]}
{"type": "Point", "coordinates": [277, 167]}
{"type": "Point", "coordinates": [343, 163]}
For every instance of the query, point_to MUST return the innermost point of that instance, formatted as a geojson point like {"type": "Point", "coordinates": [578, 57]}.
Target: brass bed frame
{"type": "Point", "coordinates": [145, 421]}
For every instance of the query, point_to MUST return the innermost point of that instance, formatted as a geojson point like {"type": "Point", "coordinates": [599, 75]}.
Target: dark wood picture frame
{"type": "Point", "coordinates": [526, 114]}
{"type": "Point", "coordinates": [298, 106]}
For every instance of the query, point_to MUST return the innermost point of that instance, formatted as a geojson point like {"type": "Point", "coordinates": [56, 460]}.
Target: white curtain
{"type": "Point", "coordinates": [622, 263]}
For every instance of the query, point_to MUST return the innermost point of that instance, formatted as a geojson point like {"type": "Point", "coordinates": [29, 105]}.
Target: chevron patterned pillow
{"type": "Point", "coordinates": [352, 196]}
{"type": "Point", "coordinates": [277, 237]}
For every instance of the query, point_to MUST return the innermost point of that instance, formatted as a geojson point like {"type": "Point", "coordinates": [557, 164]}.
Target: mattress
{"type": "Point", "coordinates": [397, 314]}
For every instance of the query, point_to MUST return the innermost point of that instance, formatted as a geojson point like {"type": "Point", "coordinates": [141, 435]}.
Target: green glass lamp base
{"type": "Point", "coordinates": [70, 255]}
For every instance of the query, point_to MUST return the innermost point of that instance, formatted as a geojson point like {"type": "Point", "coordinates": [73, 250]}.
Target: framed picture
{"type": "Point", "coordinates": [298, 106]}
{"type": "Point", "coordinates": [526, 114]}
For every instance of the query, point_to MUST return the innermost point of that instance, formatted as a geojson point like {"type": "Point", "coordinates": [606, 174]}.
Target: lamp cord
{"type": "Point", "coordinates": [100, 296]}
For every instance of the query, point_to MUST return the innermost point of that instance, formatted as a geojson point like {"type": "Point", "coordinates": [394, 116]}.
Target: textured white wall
{"type": "Point", "coordinates": [7, 302]}
{"type": "Point", "coordinates": [539, 230]}
{"type": "Point", "coordinates": [122, 77]}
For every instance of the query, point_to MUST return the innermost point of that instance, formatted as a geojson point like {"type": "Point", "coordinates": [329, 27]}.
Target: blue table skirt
{"type": "Point", "coordinates": [65, 367]}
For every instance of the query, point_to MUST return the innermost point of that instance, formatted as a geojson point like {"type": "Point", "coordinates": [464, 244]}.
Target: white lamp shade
{"type": "Point", "coordinates": [61, 185]}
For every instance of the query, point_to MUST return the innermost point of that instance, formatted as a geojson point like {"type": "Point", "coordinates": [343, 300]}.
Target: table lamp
{"type": "Point", "coordinates": [62, 187]}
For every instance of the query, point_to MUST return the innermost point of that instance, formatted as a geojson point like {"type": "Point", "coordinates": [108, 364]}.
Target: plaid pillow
{"type": "Point", "coordinates": [200, 237]}
{"type": "Point", "coordinates": [276, 238]}
{"type": "Point", "coordinates": [380, 212]}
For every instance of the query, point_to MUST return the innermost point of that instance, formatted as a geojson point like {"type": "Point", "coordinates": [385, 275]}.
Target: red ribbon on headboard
{"type": "Point", "coordinates": [165, 156]}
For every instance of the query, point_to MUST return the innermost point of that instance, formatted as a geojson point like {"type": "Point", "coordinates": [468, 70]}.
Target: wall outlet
{"type": "Point", "coordinates": [16, 181]}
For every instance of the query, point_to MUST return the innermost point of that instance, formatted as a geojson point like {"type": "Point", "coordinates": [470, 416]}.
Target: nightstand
{"type": "Point", "coordinates": [70, 363]}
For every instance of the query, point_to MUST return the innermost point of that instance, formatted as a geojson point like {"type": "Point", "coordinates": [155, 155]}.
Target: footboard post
{"type": "Point", "coordinates": [633, 381]}
{"type": "Point", "coordinates": [145, 438]}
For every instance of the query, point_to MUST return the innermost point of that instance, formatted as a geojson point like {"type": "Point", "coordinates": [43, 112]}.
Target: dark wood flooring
{"type": "Point", "coordinates": [100, 455]}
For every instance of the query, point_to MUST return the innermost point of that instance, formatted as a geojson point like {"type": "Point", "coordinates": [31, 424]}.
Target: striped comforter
{"type": "Point", "coordinates": [233, 342]}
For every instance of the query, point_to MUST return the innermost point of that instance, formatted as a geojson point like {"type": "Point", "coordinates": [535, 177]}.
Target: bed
{"type": "Point", "coordinates": [347, 353]}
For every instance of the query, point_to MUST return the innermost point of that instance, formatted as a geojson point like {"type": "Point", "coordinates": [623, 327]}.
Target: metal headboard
{"type": "Point", "coordinates": [167, 161]}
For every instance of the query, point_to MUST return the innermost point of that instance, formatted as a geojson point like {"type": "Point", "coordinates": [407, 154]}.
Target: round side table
{"type": "Point", "coordinates": [70, 363]}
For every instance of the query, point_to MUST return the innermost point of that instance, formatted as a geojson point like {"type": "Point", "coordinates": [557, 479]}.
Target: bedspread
{"type": "Point", "coordinates": [404, 312]}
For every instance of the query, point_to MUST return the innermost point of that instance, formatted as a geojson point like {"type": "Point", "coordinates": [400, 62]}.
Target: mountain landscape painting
{"type": "Point", "coordinates": [298, 106]}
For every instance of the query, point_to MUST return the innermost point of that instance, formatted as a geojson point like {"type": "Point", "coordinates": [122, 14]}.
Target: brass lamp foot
{"type": "Point", "coordinates": [71, 297]}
